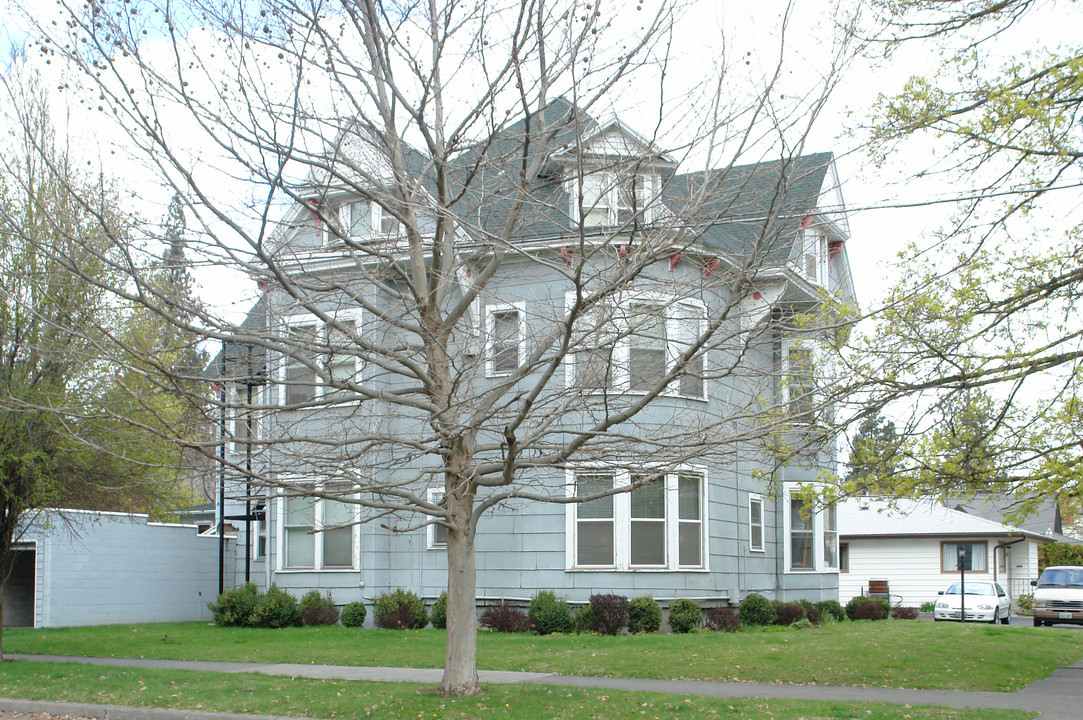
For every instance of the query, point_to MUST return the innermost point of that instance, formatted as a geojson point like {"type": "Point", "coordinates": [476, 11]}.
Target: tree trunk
{"type": "Point", "coordinates": [461, 659]}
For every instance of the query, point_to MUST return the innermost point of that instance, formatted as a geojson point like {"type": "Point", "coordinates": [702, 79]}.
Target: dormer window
{"type": "Point", "coordinates": [813, 258]}
{"type": "Point", "coordinates": [615, 199]}
{"type": "Point", "coordinates": [363, 220]}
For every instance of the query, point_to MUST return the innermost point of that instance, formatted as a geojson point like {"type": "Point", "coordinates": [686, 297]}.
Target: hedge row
{"type": "Point", "coordinates": [245, 606]}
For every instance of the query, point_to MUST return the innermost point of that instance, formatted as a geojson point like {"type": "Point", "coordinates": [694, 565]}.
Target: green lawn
{"type": "Point", "coordinates": [334, 699]}
{"type": "Point", "coordinates": [884, 654]}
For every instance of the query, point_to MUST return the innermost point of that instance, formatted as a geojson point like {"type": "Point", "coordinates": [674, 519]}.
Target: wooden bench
{"type": "Point", "coordinates": [879, 589]}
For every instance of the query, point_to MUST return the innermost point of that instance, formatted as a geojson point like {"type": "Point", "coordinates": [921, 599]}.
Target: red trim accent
{"type": "Point", "coordinates": [566, 253]}
{"type": "Point", "coordinates": [673, 260]}
{"type": "Point", "coordinates": [709, 266]}
{"type": "Point", "coordinates": [834, 248]}
{"type": "Point", "coordinates": [622, 251]}
{"type": "Point", "coordinates": [806, 221]}
{"type": "Point", "coordinates": [756, 295]}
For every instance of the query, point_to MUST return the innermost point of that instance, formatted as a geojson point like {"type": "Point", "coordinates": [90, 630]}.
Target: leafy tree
{"type": "Point", "coordinates": [873, 455]}
{"type": "Point", "coordinates": [979, 343]}
{"type": "Point", "coordinates": [75, 431]}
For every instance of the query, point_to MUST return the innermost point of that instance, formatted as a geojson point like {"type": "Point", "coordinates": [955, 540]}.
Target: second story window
{"type": "Point", "coordinates": [505, 339]}
{"type": "Point", "coordinates": [362, 220]}
{"type": "Point", "coordinates": [323, 358]}
{"type": "Point", "coordinates": [813, 260]}
{"type": "Point", "coordinates": [798, 385]}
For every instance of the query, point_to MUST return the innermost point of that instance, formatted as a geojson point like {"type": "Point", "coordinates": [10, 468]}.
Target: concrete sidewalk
{"type": "Point", "coordinates": [1058, 697]}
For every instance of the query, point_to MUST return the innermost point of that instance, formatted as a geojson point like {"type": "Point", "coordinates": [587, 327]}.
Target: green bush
{"type": "Point", "coordinates": [644, 615]}
{"type": "Point", "coordinates": [583, 619]}
{"type": "Point", "coordinates": [802, 624]}
{"type": "Point", "coordinates": [317, 609]}
{"type": "Point", "coordinates": [1059, 554]}
{"type": "Point", "coordinates": [234, 607]}
{"type": "Point", "coordinates": [400, 610]}
{"type": "Point", "coordinates": [439, 612]}
{"type": "Point", "coordinates": [550, 614]}
{"type": "Point", "coordinates": [1023, 602]}
{"type": "Point", "coordinates": [684, 614]}
{"type": "Point", "coordinates": [831, 608]}
{"type": "Point", "coordinates": [755, 609]}
{"type": "Point", "coordinates": [930, 606]}
{"type": "Point", "coordinates": [276, 609]}
{"type": "Point", "coordinates": [353, 615]}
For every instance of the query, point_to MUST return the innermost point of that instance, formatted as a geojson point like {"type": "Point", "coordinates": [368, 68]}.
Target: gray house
{"type": "Point", "coordinates": [641, 329]}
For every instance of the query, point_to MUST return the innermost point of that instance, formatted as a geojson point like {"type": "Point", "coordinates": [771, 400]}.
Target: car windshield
{"type": "Point", "coordinates": [976, 588]}
{"type": "Point", "coordinates": [1062, 577]}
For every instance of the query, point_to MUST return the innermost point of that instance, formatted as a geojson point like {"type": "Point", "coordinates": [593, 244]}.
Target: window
{"type": "Point", "coordinates": [811, 535]}
{"type": "Point", "coordinates": [363, 220]}
{"type": "Point", "coordinates": [844, 557]}
{"type": "Point", "coordinates": [831, 537]}
{"type": "Point", "coordinates": [657, 524]}
{"type": "Point", "coordinates": [631, 346]}
{"type": "Point", "coordinates": [801, 536]}
{"type": "Point", "coordinates": [613, 200]}
{"type": "Point", "coordinates": [328, 347]}
{"type": "Point", "coordinates": [506, 339]}
{"type": "Point", "coordinates": [259, 531]}
{"type": "Point", "coordinates": [436, 534]}
{"type": "Point", "coordinates": [798, 379]}
{"type": "Point", "coordinates": [317, 534]}
{"type": "Point", "coordinates": [975, 556]}
{"type": "Point", "coordinates": [814, 255]}
{"type": "Point", "coordinates": [755, 523]}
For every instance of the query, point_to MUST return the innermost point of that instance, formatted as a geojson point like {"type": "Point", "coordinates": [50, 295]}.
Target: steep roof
{"type": "Point", "coordinates": [239, 360]}
{"type": "Point", "coordinates": [1045, 520]}
{"type": "Point", "coordinates": [869, 517]}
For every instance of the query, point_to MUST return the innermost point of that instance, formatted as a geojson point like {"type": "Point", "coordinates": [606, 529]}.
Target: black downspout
{"type": "Point", "coordinates": [248, 485]}
{"type": "Point", "coordinates": [222, 488]}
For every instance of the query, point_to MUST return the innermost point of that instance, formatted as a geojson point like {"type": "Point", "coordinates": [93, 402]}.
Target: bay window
{"type": "Point", "coordinates": [812, 539]}
{"type": "Point", "coordinates": [656, 524]}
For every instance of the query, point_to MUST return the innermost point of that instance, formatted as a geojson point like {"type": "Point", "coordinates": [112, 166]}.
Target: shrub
{"type": "Point", "coordinates": [802, 624]}
{"type": "Point", "coordinates": [863, 608]}
{"type": "Point", "coordinates": [722, 618]}
{"type": "Point", "coordinates": [885, 605]}
{"type": "Point", "coordinates": [610, 613]}
{"type": "Point", "coordinates": [755, 609]}
{"type": "Point", "coordinates": [904, 613]}
{"type": "Point", "coordinates": [550, 614]}
{"type": "Point", "coordinates": [684, 614]}
{"type": "Point", "coordinates": [439, 612]}
{"type": "Point", "coordinates": [583, 619]}
{"type": "Point", "coordinates": [788, 613]}
{"type": "Point", "coordinates": [400, 610]}
{"type": "Point", "coordinates": [931, 606]}
{"type": "Point", "coordinates": [504, 618]}
{"type": "Point", "coordinates": [353, 614]}
{"type": "Point", "coordinates": [234, 607]}
{"type": "Point", "coordinates": [276, 609]}
{"type": "Point", "coordinates": [813, 614]}
{"type": "Point", "coordinates": [644, 615]}
{"type": "Point", "coordinates": [317, 609]}
{"type": "Point", "coordinates": [1023, 602]}
{"type": "Point", "coordinates": [831, 608]}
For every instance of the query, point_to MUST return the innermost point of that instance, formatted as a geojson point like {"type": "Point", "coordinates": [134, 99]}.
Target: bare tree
{"type": "Point", "coordinates": [473, 289]}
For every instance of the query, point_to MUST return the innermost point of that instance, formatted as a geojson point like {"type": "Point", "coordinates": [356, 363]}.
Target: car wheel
{"type": "Point", "coordinates": [1006, 620]}
{"type": "Point", "coordinates": [1037, 622]}
{"type": "Point", "coordinates": [996, 617]}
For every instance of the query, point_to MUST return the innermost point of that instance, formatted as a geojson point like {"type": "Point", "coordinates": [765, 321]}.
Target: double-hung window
{"type": "Point", "coordinates": [318, 533]}
{"type": "Point", "coordinates": [435, 533]}
{"type": "Point", "coordinates": [976, 556]}
{"type": "Point", "coordinates": [633, 344]}
{"type": "Point", "coordinates": [615, 199]}
{"type": "Point", "coordinates": [814, 255]}
{"type": "Point", "coordinates": [799, 381]}
{"type": "Point", "coordinates": [656, 523]}
{"type": "Point", "coordinates": [322, 358]}
{"type": "Point", "coordinates": [755, 523]}
{"type": "Point", "coordinates": [505, 338]}
{"type": "Point", "coordinates": [811, 534]}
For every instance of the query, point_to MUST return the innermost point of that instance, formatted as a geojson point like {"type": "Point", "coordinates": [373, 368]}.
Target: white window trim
{"type": "Point", "coordinates": [619, 363]}
{"type": "Point", "coordinates": [491, 310]}
{"type": "Point", "coordinates": [819, 565]}
{"type": "Point", "coordinates": [317, 560]}
{"type": "Point", "coordinates": [435, 496]}
{"type": "Point", "coordinates": [813, 251]}
{"type": "Point", "coordinates": [321, 328]}
{"type": "Point", "coordinates": [341, 213]}
{"type": "Point", "coordinates": [622, 522]}
{"type": "Point", "coordinates": [753, 497]}
{"type": "Point", "coordinates": [611, 192]}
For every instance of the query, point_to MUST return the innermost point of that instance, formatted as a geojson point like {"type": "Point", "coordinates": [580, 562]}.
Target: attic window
{"type": "Point", "coordinates": [362, 220]}
{"type": "Point", "coordinates": [616, 200]}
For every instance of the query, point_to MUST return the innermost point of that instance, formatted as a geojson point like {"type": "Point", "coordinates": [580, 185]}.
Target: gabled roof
{"type": "Point", "coordinates": [873, 517]}
{"type": "Point", "coordinates": [1045, 520]}
{"type": "Point", "coordinates": [238, 360]}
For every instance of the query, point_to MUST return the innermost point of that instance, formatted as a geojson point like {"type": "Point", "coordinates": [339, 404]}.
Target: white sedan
{"type": "Point", "coordinates": [984, 602]}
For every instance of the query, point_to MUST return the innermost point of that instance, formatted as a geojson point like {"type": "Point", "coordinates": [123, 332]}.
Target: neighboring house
{"type": "Point", "coordinates": [84, 567]}
{"type": "Point", "coordinates": [709, 529]}
{"type": "Point", "coordinates": [1046, 517]}
{"type": "Point", "coordinates": [913, 545]}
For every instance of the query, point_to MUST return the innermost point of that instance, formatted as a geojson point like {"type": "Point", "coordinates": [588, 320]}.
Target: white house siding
{"type": "Point", "coordinates": [99, 568]}
{"type": "Point", "coordinates": [912, 567]}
